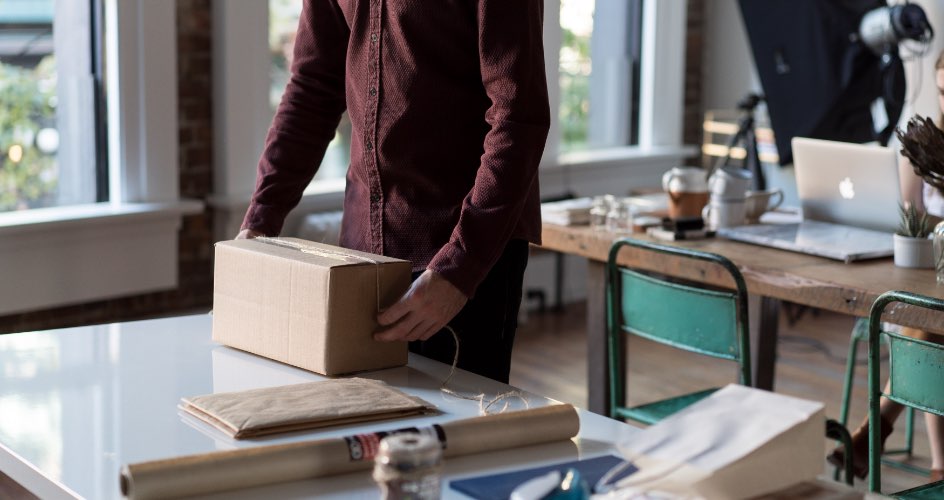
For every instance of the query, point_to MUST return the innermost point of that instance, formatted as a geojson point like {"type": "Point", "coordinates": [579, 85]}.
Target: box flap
{"type": "Point", "coordinates": [309, 252]}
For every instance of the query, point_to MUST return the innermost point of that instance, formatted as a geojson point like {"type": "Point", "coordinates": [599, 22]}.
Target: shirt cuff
{"type": "Point", "coordinates": [265, 219]}
{"type": "Point", "coordinates": [459, 268]}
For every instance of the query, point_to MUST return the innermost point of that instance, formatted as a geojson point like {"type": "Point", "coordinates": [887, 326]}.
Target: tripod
{"type": "Point", "coordinates": [746, 136]}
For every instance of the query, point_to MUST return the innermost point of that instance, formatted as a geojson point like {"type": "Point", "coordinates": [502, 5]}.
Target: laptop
{"type": "Point", "coordinates": [849, 198]}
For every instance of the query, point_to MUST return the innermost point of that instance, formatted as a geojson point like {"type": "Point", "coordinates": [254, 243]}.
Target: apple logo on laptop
{"type": "Point", "coordinates": [847, 189]}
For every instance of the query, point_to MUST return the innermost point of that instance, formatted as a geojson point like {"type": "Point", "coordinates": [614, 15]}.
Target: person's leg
{"type": "Point", "coordinates": [935, 425]}
{"type": "Point", "coordinates": [888, 412]}
{"type": "Point", "coordinates": [486, 325]}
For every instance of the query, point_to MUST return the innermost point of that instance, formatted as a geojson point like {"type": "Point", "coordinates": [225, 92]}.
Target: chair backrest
{"type": "Point", "coordinates": [916, 371]}
{"type": "Point", "coordinates": [684, 315]}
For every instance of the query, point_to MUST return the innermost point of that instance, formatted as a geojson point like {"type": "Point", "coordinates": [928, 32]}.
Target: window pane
{"type": "Point", "coordinates": [599, 73]}
{"type": "Point", "coordinates": [29, 138]}
{"type": "Point", "coordinates": [283, 21]}
{"type": "Point", "coordinates": [576, 29]}
{"type": "Point", "coordinates": [47, 122]}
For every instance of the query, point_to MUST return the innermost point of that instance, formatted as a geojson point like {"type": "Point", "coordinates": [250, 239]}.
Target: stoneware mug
{"type": "Point", "coordinates": [687, 189]}
{"type": "Point", "coordinates": [760, 202]}
{"type": "Point", "coordinates": [719, 214]}
{"type": "Point", "coordinates": [730, 183]}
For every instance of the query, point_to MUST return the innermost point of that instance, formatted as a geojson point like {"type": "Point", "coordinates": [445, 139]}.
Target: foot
{"type": "Point", "coordinates": [936, 475]}
{"type": "Point", "coordinates": [860, 449]}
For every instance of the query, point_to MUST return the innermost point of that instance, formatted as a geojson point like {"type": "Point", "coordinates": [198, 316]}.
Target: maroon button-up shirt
{"type": "Point", "coordinates": [449, 112]}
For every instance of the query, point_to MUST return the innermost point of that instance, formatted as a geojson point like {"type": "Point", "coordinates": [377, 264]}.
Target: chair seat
{"type": "Point", "coordinates": [651, 413]}
{"type": "Point", "coordinates": [930, 491]}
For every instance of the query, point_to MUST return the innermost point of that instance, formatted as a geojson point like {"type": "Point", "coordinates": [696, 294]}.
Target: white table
{"type": "Point", "coordinates": [78, 403]}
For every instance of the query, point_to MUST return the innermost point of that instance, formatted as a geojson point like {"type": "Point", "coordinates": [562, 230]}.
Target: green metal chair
{"type": "Point", "coordinates": [916, 378]}
{"type": "Point", "coordinates": [686, 316]}
{"type": "Point", "coordinates": [860, 333]}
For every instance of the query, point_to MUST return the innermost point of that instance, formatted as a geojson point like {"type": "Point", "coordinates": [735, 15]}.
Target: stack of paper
{"type": "Point", "coordinates": [573, 212]}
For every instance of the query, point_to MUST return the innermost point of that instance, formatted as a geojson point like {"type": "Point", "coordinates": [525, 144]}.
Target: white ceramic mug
{"type": "Point", "coordinates": [687, 188]}
{"type": "Point", "coordinates": [730, 183]}
{"type": "Point", "coordinates": [759, 202]}
{"type": "Point", "coordinates": [724, 214]}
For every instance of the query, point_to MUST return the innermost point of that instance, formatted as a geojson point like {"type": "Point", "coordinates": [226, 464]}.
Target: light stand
{"type": "Point", "coordinates": [747, 137]}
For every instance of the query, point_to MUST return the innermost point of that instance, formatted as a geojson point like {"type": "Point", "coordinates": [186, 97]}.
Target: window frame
{"type": "Point", "coordinates": [58, 256]}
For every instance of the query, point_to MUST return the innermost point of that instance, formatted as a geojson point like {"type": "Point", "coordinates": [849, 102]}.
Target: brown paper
{"type": "Point", "coordinates": [250, 467]}
{"type": "Point", "coordinates": [311, 405]}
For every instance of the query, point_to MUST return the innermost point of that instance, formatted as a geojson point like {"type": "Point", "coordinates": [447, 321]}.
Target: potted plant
{"type": "Point", "coordinates": [913, 248]}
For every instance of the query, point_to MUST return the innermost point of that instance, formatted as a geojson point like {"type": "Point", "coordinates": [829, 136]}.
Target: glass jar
{"type": "Point", "coordinates": [599, 211]}
{"type": "Point", "coordinates": [939, 251]}
{"type": "Point", "coordinates": [408, 467]}
{"type": "Point", "coordinates": [619, 220]}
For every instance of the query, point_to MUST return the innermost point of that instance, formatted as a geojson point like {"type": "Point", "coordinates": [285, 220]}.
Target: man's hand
{"type": "Point", "coordinates": [248, 234]}
{"type": "Point", "coordinates": [424, 309]}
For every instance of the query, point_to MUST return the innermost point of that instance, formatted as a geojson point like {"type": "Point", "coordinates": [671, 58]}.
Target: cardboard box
{"type": "Point", "coordinates": [307, 304]}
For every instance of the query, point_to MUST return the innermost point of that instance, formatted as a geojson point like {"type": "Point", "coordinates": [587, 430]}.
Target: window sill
{"type": "Point", "coordinates": [91, 215]}
{"type": "Point", "coordinates": [612, 170]}
{"type": "Point", "coordinates": [627, 155]}
{"type": "Point", "coordinates": [71, 255]}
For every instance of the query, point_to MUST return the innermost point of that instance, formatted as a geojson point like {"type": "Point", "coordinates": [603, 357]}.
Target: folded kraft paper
{"type": "Point", "coordinates": [261, 465]}
{"type": "Point", "coordinates": [288, 408]}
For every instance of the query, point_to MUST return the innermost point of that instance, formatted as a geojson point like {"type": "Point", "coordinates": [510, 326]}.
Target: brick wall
{"type": "Point", "coordinates": [694, 55]}
{"type": "Point", "coordinates": [195, 277]}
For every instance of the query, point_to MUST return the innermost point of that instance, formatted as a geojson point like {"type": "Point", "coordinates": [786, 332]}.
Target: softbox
{"type": "Point", "coordinates": [818, 81]}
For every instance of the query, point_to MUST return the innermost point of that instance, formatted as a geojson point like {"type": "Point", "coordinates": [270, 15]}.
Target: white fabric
{"type": "Point", "coordinates": [933, 200]}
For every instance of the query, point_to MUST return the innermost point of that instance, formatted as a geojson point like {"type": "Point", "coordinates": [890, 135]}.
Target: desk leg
{"type": "Point", "coordinates": [598, 380]}
{"type": "Point", "coordinates": [765, 321]}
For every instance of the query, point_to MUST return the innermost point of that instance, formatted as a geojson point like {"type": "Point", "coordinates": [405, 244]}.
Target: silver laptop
{"type": "Point", "coordinates": [849, 197]}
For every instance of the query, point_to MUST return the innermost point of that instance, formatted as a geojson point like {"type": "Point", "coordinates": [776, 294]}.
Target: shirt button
{"type": "Point", "coordinates": [372, 92]}
{"type": "Point", "coordinates": [374, 197]}
{"type": "Point", "coordinates": [370, 146]}
{"type": "Point", "coordinates": [373, 37]}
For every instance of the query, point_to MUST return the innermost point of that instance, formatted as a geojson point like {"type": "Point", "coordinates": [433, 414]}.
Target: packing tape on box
{"type": "Point", "coordinates": [249, 467]}
{"type": "Point", "coordinates": [322, 252]}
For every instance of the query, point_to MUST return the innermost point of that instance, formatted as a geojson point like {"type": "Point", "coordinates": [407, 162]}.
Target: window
{"type": "Point", "coordinates": [49, 135]}
{"type": "Point", "coordinates": [283, 21]}
{"type": "Point", "coordinates": [600, 52]}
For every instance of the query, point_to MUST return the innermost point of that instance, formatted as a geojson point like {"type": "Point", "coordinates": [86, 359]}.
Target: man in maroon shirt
{"type": "Point", "coordinates": [449, 112]}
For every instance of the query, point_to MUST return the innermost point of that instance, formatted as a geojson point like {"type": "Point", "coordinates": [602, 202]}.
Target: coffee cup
{"type": "Point", "coordinates": [730, 183]}
{"type": "Point", "coordinates": [687, 189]}
{"type": "Point", "coordinates": [719, 214]}
{"type": "Point", "coordinates": [759, 202]}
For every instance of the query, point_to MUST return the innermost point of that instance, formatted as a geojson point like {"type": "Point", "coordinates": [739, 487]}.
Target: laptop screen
{"type": "Point", "coordinates": [846, 183]}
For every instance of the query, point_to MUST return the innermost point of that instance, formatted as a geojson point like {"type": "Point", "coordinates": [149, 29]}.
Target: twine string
{"type": "Point", "coordinates": [484, 405]}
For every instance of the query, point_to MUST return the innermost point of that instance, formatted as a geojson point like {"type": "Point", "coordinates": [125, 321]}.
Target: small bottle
{"type": "Point", "coordinates": [409, 466]}
{"type": "Point", "coordinates": [620, 218]}
{"type": "Point", "coordinates": [598, 212]}
{"type": "Point", "coordinates": [938, 252]}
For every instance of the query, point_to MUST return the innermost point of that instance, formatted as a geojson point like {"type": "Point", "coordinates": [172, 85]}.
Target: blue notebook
{"type": "Point", "coordinates": [500, 486]}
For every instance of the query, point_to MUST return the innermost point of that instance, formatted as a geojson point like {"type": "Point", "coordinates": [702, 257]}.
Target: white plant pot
{"type": "Point", "coordinates": [914, 252]}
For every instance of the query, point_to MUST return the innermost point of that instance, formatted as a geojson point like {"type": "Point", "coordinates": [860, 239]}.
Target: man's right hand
{"type": "Point", "coordinates": [248, 234]}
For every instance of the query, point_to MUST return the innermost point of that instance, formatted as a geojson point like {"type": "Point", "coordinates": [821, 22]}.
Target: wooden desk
{"type": "Point", "coordinates": [772, 275]}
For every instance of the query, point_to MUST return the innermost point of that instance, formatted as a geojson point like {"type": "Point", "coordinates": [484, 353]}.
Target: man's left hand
{"type": "Point", "coordinates": [429, 304]}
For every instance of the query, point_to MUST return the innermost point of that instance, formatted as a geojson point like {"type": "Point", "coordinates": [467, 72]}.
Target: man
{"type": "Point", "coordinates": [449, 111]}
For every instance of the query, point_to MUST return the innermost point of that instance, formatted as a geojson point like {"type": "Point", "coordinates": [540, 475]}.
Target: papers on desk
{"type": "Point", "coordinates": [739, 442]}
{"type": "Point", "coordinates": [575, 212]}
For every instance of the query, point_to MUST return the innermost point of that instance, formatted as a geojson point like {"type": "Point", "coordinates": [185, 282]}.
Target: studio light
{"type": "Point", "coordinates": [882, 29]}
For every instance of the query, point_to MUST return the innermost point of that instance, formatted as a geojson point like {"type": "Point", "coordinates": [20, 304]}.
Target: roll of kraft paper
{"type": "Point", "coordinates": [249, 467]}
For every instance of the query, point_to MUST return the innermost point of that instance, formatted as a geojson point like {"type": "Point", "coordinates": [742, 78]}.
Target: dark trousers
{"type": "Point", "coordinates": [486, 325]}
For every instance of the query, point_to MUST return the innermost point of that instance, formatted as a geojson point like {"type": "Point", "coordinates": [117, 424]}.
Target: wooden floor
{"type": "Point", "coordinates": [550, 359]}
